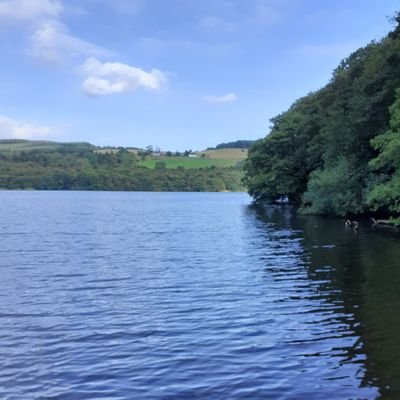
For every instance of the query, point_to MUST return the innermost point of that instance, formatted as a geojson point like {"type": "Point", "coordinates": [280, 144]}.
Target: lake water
{"type": "Point", "coordinates": [192, 296]}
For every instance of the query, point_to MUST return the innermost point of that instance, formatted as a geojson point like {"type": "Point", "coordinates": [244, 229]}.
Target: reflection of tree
{"type": "Point", "coordinates": [356, 276]}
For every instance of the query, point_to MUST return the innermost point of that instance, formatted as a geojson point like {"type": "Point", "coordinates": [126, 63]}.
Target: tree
{"type": "Point", "coordinates": [149, 150]}
{"type": "Point", "coordinates": [335, 190]}
{"type": "Point", "coordinates": [385, 195]}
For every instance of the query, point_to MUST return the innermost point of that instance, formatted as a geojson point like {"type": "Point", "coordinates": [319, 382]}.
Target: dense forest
{"type": "Point", "coordinates": [82, 166]}
{"type": "Point", "coordinates": [336, 151]}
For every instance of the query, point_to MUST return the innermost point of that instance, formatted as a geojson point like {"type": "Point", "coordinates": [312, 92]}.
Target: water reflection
{"type": "Point", "coordinates": [356, 279]}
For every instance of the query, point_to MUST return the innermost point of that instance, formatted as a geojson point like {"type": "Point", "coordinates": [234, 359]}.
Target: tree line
{"type": "Point", "coordinates": [238, 144]}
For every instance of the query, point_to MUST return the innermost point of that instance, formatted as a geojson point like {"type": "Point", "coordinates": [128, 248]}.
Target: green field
{"type": "Point", "coordinates": [223, 158]}
{"type": "Point", "coordinates": [25, 145]}
{"type": "Point", "coordinates": [40, 145]}
{"type": "Point", "coordinates": [187, 163]}
{"type": "Point", "coordinates": [226, 154]}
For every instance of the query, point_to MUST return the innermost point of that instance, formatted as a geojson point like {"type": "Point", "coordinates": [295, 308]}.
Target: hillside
{"type": "Point", "coordinates": [223, 158]}
{"type": "Point", "coordinates": [336, 151]}
{"type": "Point", "coordinates": [234, 154]}
{"type": "Point", "coordinates": [18, 145]}
{"type": "Point", "coordinates": [82, 166]}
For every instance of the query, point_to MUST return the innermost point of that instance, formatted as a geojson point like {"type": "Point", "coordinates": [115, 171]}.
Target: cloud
{"type": "Point", "coordinates": [52, 41]}
{"type": "Point", "coordinates": [22, 10]}
{"type": "Point", "coordinates": [108, 78]}
{"type": "Point", "coordinates": [13, 129]}
{"type": "Point", "coordinates": [226, 98]}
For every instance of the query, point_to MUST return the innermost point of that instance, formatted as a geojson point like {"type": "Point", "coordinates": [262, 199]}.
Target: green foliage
{"type": "Point", "coordinates": [278, 166]}
{"type": "Point", "coordinates": [336, 151]}
{"type": "Point", "coordinates": [388, 144]}
{"type": "Point", "coordinates": [386, 194]}
{"type": "Point", "coordinates": [160, 165]}
{"type": "Point", "coordinates": [334, 190]}
{"type": "Point", "coordinates": [30, 165]}
{"type": "Point", "coordinates": [238, 144]}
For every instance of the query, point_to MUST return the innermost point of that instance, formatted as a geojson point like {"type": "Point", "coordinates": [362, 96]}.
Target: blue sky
{"type": "Point", "coordinates": [177, 74]}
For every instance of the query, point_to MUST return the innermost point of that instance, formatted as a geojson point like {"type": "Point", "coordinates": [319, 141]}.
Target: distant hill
{"type": "Point", "coordinates": [233, 154]}
{"type": "Point", "coordinates": [238, 144]}
{"type": "Point", "coordinates": [18, 145]}
{"type": "Point", "coordinates": [46, 165]}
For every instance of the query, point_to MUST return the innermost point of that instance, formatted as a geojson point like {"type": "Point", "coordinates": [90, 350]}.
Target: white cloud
{"type": "Point", "coordinates": [22, 10]}
{"type": "Point", "coordinates": [52, 41]}
{"type": "Point", "coordinates": [13, 129]}
{"type": "Point", "coordinates": [226, 98]}
{"type": "Point", "coordinates": [114, 78]}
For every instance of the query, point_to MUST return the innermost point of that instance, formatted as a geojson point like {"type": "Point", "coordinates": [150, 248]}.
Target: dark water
{"type": "Point", "coordinates": [192, 296]}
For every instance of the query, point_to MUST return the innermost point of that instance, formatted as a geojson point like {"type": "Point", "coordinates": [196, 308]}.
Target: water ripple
{"type": "Point", "coordinates": [171, 296]}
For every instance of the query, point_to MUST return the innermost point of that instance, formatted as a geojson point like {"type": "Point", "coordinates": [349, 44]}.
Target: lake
{"type": "Point", "coordinates": [110, 295]}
